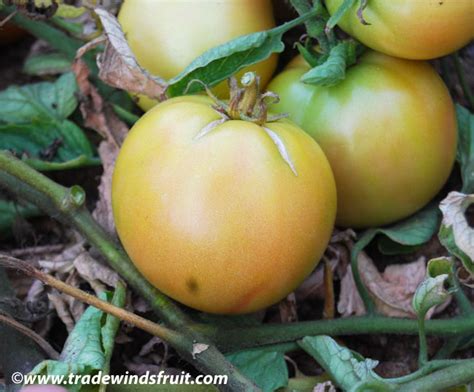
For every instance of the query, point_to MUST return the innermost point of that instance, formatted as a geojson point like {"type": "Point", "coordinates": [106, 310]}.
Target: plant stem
{"type": "Point", "coordinates": [66, 205]}
{"type": "Point", "coordinates": [423, 350]}
{"type": "Point", "coordinates": [140, 322]}
{"type": "Point", "coordinates": [463, 81]}
{"type": "Point", "coordinates": [463, 302]}
{"type": "Point", "coordinates": [427, 368]}
{"type": "Point", "coordinates": [129, 117]}
{"type": "Point", "coordinates": [457, 374]}
{"type": "Point", "coordinates": [56, 38]}
{"type": "Point", "coordinates": [239, 338]}
{"type": "Point", "coordinates": [302, 7]}
{"type": "Point", "coordinates": [363, 241]}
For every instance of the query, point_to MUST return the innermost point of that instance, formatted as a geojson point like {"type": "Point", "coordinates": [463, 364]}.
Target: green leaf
{"type": "Point", "coordinates": [110, 329]}
{"type": "Point", "coordinates": [48, 145]}
{"type": "Point", "coordinates": [47, 64]}
{"type": "Point", "coordinates": [456, 235]}
{"type": "Point", "coordinates": [314, 26]}
{"type": "Point", "coordinates": [33, 124]}
{"type": "Point", "coordinates": [345, 367]}
{"type": "Point", "coordinates": [10, 211]}
{"type": "Point", "coordinates": [430, 293]}
{"type": "Point", "coordinates": [221, 62]}
{"type": "Point", "coordinates": [309, 54]}
{"type": "Point", "coordinates": [39, 101]}
{"type": "Point", "coordinates": [409, 234]}
{"type": "Point", "coordinates": [89, 346]}
{"type": "Point", "coordinates": [440, 266]}
{"type": "Point", "coordinates": [336, 17]}
{"type": "Point", "coordinates": [465, 152]}
{"type": "Point", "coordinates": [304, 383]}
{"type": "Point", "coordinates": [333, 69]}
{"type": "Point", "coordinates": [267, 369]}
{"type": "Point", "coordinates": [403, 237]}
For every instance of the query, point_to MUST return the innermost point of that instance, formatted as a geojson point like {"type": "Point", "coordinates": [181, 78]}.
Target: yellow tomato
{"type": "Point", "coordinates": [412, 29]}
{"type": "Point", "coordinates": [221, 222]}
{"type": "Point", "coordinates": [167, 35]}
{"type": "Point", "coordinates": [388, 130]}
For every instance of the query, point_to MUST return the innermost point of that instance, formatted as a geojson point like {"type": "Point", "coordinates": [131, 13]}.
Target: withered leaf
{"type": "Point", "coordinates": [118, 66]}
{"type": "Point", "coordinates": [95, 273]}
{"type": "Point", "coordinates": [391, 290]}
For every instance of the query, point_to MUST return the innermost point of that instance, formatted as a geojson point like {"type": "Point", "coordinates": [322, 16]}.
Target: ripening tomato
{"type": "Point", "coordinates": [388, 130]}
{"type": "Point", "coordinates": [221, 222]}
{"type": "Point", "coordinates": [166, 35]}
{"type": "Point", "coordinates": [412, 29]}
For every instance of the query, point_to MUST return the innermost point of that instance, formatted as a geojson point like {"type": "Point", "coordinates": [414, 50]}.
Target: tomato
{"type": "Point", "coordinates": [166, 36]}
{"type": "Point", "coordinates": [388, 130]}
{"type": "Point", "coordinates": [221, 222]}
{"type": "Point", "coordinates": [412, 29]}
{"type": "Point", "coordinates": [10, 33]}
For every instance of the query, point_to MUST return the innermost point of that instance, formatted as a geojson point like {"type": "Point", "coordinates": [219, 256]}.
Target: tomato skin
{"type": "Point", "coordinates": [388, 130]}
{"type": "Point", "coordinates": [221, 223]}
{"type": "Point", "coordinates": [166, 35]}
{"type": "Point", "coordinates": [412, 29]}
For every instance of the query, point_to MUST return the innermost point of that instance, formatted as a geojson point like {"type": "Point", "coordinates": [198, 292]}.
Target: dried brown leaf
{"type": "Point", "coordinates": [288, 309]}
{"type": "Point", "coordinates": [392, 290]}
{"type": "Point", "coordinates": [337, 255]}
{"type": "Point", "coordinates": [33, 252]}
{"type": "Point", "coordinates": [149, 347]}
{"type": "Point", "coordinates": [95, 273]}
{"type": "Point", "coordinates": [97, 114]}
{"type": "Point", "coordinates": [76, 308]}
{"type": "Point", "coordinates": [62, 309]}
{"type": "Point", "coordinates": [118, 66]}
{"type": "Point", "coordinates": [350, 303]}
{"type": "Point", "coordinates": [103, 210]}
{"type": "Point", "coordinates": [329, 299]}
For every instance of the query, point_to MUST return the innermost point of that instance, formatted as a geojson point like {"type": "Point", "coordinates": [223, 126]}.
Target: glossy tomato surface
{"type": "Point", "coordinates": [412, 29]}
{"type": "Point", "coordinates": [388, 130]}
{"type": "Point", "coordinates": [220, 222]}
{"type": "Point", "coordinates": [167, 35]}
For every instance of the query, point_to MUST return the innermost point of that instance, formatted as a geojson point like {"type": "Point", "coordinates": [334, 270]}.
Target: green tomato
{"type": "Point", "coordinates": [388, 130]}
{"type": "Point", "coordinates": [412, 29]}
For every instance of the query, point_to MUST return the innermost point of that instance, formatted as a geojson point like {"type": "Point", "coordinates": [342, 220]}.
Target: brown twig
{"type": "Point", "coordinates": [4, 21]}
{"type": "Point", "coordinates": [131, 318]}
{"type": "Point", "coordinates": [35, 250]}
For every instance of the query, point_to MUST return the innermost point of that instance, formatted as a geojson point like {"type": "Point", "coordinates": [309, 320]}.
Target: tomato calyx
{"type": "Point", "coordinates": [246, 103]}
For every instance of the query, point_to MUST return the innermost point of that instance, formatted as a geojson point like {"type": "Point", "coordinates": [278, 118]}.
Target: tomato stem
{"type": "Point", "coordinates": [246, 102]}
{"type": "Point", "coordinates": [28, 184]}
